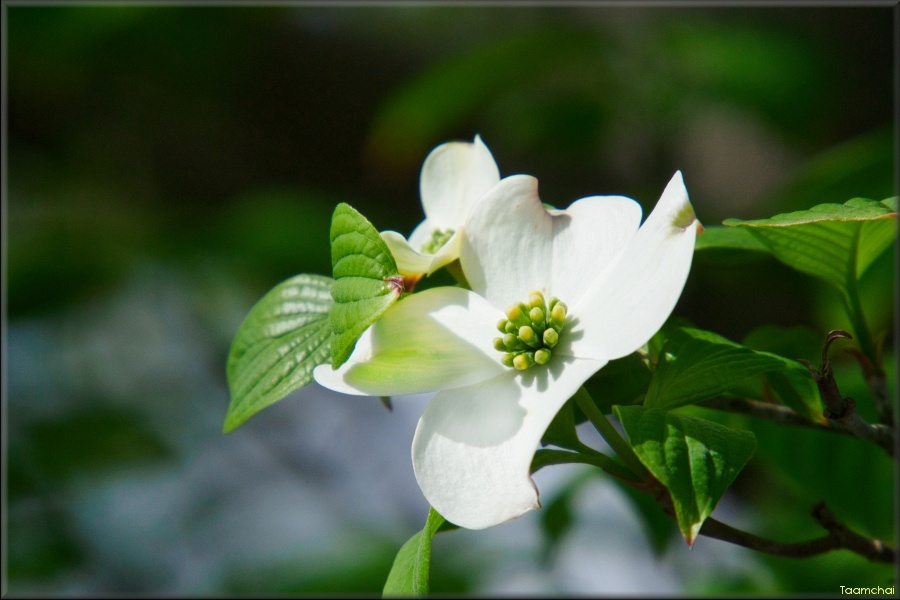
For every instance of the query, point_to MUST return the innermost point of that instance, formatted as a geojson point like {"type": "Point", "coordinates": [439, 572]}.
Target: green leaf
{"type": "Point", "coordinates": [409, 574]}
{"type": "Point", "coordinates": [695, 365]}
{"type": "Point", "coordinates": [694, 458]}
{"type": "Point", "coordinates": [794, 342]}
{"type": "Point", "coordinates": [835, 242]}
{"type": "Point", "coordinates": [561, 431]}
{"type": "Point", "coordinates": [366, 279]}
{"type": "Point", "coordinates": [284, 337]}
{"type": "Point", "coordinates": [730, 245]}
{"type": "Point", "coordinates": [621, 381]}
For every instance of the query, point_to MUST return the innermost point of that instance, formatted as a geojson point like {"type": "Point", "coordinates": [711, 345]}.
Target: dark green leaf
{"type": "Point", "coordinates": [696, 365]}
{"type": "Point", "coordinates": [366, 279]}
{"type": "Point", "coordinates": [409, 574]}
{"type": "Point", "coordinates": [284, 337]}
{"type": "Point", "coordinates": [730, 245]}
{"type": "Point", "coordinates": [719, 237]}
{"type": "Point", "coordinates": [694, 458]}
{"type": "Point", "coordinates": [621, 381]}
{"type": "Point", "coordinates": [791, 342]}
{"type": "Point", "coordinates": [561, 431]}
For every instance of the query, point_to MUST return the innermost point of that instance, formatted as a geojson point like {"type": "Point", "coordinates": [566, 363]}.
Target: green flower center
{"type": "Point", "coordinates": [438, 239]}
{"type": "Point", "coordinates": [530, 331]}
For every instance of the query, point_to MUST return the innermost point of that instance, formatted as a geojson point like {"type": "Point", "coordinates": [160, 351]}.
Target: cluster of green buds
{"type": "Point", "coordinates": [530, 331]}
{"type": "Point", "coordinates": [439, 237]}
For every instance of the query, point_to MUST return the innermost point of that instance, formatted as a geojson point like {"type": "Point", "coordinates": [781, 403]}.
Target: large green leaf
{"type": "Point", "coordinates": [835, 242]}
{"type": "Point", "coordinates": [284, 337]}
{"type": "Point", "coordinates": [409, 574]}
{"type": "Point", "coordinates": [730, 245]}
{"type": "Point", "coordinates": [696, 365]}
{"type": "Point", "coordinates": [694, 458]}
{"type": "Point", "coordinates": [366, 279]}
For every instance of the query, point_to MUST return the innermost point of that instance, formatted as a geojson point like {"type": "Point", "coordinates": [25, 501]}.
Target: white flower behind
{"type": "Point", "coordinates": [611, 284]}
{"type": "Point", "coordinates": [454, 176]}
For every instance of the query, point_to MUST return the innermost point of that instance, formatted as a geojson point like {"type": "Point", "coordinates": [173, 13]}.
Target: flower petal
{"type": "Point", "coordinates": [623, 310]}
{"type": "Point", "coordinates": [409, 261]}
{"type": "Point", "coordinates": [473, 446]}
{"type": "Point", "coordinates": [454, 176]}
{"type": "Point", "coordinates": [437, 339]}
{"type": "Point", "coordinates": [514, 245]}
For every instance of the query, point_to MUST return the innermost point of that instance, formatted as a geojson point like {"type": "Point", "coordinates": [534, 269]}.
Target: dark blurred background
{"type": "Point", "coordinates": [167, 165]}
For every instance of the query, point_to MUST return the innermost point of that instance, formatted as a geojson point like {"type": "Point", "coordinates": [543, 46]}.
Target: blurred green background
{"type": "Point", "coordinates": [167, 165]}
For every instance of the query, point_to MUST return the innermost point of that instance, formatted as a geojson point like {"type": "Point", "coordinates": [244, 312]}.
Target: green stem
{"type": "Point", "coordinates": [546, 457]}
{"type": "Point", "coordinates": [858, 320]}
{"type": "Point", "coordinates": [609, 433]}
{"type": "Point", "coordinates": [853, 305]}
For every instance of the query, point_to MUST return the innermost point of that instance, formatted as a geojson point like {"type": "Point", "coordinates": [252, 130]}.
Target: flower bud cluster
{"type": "Point", "coordinates": [439, 237]}
{"type": "Point", "coordinates": [530, 331]}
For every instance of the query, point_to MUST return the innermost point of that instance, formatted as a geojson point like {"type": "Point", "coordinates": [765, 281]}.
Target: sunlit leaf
{"type": "Point", "coordinates": [835, 242]}
{"type": "Point", "coordinates": [694, 458]}
{"type": "Point", "coordinates": [366, 279]}
{"type": "Point", "coordinates": [696, 365]}
{"type": "Point", "coordinates": [283, 338]}
{"type": "Point", "coordinates": [410, 572]}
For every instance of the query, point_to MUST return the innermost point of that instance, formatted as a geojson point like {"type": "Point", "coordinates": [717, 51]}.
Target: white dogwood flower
{"type": "Point", "coordinates": [454, 176]}
{"type": "Point", "coordinates": [568, 290]}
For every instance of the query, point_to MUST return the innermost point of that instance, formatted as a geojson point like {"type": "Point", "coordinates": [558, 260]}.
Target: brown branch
{"type": "Point", "coordinates": [850, 423]}
{"type": "Point", "coordinates": [840, 411]}
{"type": "Point", "coordinates": [778, 413]}
{"type": "Point", "coordinates": [876, 380]}
{"type": "Point", "coordinates": [839, 537]}
{"type": "Point", "coordinates": [881, 434]}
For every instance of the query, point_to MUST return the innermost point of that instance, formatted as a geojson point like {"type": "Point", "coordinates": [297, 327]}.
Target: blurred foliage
{"type": "Point", "coordinates": [217, 141]}
{"type": "Point", "coordinates": [102, 439]}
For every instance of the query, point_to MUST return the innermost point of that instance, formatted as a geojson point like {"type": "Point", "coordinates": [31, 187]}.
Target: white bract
{"type": "Point", "coordinates": [454, 176]}
{"type": "Point", "coordinates": [617, 281]}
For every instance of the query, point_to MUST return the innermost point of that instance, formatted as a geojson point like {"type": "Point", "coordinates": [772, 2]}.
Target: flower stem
{"type": "Point", "coordinates": [609, 433]}
{"type": "Point", "coordinates": [546, 457]}
{"type": "Point", "coordinates": [455, 269]}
